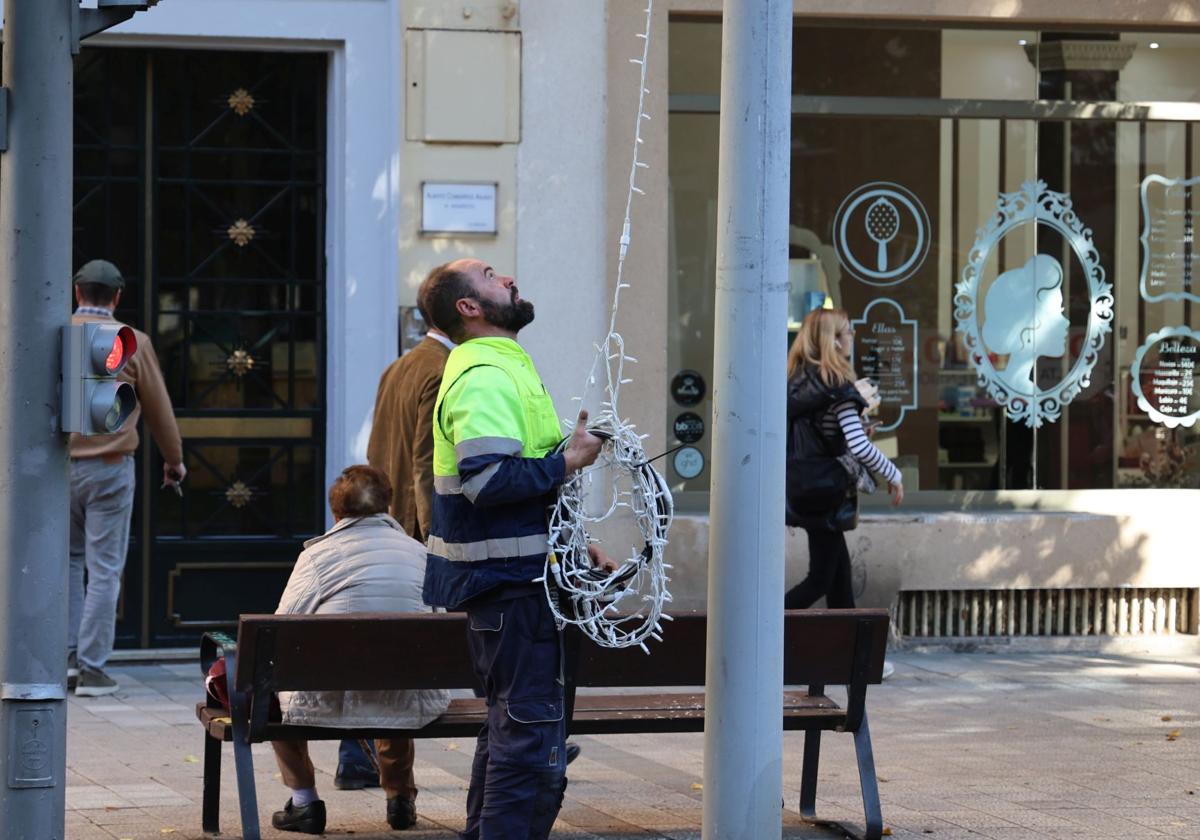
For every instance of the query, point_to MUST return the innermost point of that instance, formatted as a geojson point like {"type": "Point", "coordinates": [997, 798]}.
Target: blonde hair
{"type": "Point", "coordinates": [815, 345]}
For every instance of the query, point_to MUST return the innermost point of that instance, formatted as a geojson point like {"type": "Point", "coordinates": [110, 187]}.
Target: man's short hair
{"type": "Point", "coordinates": [423, 302]}
{"type": "Point", "coordinates": [360, 490]}
{"type": "Point", "coordinates": [97, 294]}
{"type": "Point", "coordinates": [440, 293]}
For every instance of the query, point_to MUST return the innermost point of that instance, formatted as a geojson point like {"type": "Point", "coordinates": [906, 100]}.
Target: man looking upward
{"type": "Point", "coordinates": [496, 472]}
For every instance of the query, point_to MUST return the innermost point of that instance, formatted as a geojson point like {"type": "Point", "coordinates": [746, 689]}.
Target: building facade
{"type": "Point", "coordinates": [276, 178]}
{"type": "Point", "coordinates": [1000, 195]}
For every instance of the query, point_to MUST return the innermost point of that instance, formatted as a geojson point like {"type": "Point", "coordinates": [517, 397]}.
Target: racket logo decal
{"type": "Point", "coordinates": [881, 233]}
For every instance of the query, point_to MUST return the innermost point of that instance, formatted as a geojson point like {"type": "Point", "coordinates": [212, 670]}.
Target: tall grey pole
{"type": "Point", "coordinates": [743, 730]}
{"type": "Point", "coordinates": [35, 272]}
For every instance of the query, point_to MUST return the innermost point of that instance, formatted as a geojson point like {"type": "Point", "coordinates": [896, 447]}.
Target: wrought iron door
{"type": "Point", "coordinates": [201, 174]}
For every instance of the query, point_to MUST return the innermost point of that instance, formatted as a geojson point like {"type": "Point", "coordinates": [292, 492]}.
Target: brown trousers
{"type": "Point", "coordinates": [396, 756]}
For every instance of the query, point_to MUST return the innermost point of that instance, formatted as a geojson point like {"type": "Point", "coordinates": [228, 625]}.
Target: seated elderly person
{"type": "Point", "coordinates": [364, 563]}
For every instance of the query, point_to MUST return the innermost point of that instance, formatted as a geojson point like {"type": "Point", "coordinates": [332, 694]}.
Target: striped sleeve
{"type": "Point", "coordinates": [860, 446]}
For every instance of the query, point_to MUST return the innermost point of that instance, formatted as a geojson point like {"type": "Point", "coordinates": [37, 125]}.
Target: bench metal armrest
{"type": "Point", "coordinates": [213, 646]}
{"type": "Point", "coordinates": [856, 691]}
{"type": "Point", "coordinates": [262, 685]}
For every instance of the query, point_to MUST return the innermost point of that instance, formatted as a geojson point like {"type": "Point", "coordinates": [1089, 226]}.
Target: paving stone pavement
{"type": "Point", "coordinates": [982, 745]}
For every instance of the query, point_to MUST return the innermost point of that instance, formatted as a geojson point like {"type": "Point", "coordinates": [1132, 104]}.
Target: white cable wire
{"type": "Point", "coordinates": [622, 608]}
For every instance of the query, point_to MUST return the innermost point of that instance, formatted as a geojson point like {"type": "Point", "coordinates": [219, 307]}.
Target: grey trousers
{"type": "Point", "coordinates": [101, 505]}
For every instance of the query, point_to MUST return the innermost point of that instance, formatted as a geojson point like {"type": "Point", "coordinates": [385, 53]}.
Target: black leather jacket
{"type": "Point", "coordinates": [818, 488]}
{"type": "Point", "coordinates": [808, 399]}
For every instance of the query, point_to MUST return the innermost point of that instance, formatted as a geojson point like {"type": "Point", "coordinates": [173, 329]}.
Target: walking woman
{"type": "Point", "coordinates": [824, 411]}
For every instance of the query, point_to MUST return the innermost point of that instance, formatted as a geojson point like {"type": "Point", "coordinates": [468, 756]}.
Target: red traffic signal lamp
{"type": "Point", "coordinates": [95, 402]}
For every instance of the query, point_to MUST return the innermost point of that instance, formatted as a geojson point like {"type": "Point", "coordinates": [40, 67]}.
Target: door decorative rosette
{"type": "Point", "coordinates": [1015, 388]}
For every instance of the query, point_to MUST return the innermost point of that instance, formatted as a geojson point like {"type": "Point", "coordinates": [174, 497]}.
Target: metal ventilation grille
{"type": "Point", "coordinates": [1048, 612]}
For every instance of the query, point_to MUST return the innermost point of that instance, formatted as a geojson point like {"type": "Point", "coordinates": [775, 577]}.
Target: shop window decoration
{"type": "Point", "coordinates": [1022, 315]}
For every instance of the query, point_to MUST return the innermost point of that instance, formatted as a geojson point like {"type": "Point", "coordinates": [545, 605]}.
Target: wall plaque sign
{"type": "Point", "coordinates": [881, 233]}
{"type": "Point", "coordinates": [1168, 239]}
{"type": "Point", "coordinates": [1164, 375]}
{"type": "Point", "coordinates": [688, 387]}
{"type": "Point", "coordinates": [885, 351]}
{"type": "Point", "coordinates": [688, 427]}
{"type": "Point", "coordinates": [1022, 315]}
{"type": "Point", "coordinates": [458, 208]}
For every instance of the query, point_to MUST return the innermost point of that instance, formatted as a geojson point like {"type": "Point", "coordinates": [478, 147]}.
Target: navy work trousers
{"type": "Point", "coordinates": [517, 778]}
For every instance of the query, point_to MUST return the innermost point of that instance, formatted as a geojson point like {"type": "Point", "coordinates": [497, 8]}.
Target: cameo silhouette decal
{"type": "Point", "coordinates": [1021, 316]}
{"type": "Point", "coordinates": [881, 233]}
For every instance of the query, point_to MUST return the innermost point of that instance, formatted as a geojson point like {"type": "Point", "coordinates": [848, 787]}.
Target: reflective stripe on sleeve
{"type": "Point", "coordinates": [487, 446]}
{"type": "Point", "coordinates": [470, 552]}
{"type": "Point", "coordinates": [472, 487]}
{"type": "Point", "coordinates": [447, 485]}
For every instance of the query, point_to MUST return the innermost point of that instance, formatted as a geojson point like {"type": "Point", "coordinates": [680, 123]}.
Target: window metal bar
{"type": "Point", "coordinates": [916, 107]}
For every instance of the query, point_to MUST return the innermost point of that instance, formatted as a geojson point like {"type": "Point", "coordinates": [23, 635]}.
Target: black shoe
{"type": "Point", "coordinates": [307, 819]}
{"type": "Point", "coordinates": [355, 778]}
{"type": "Point", "coordinates": [573, 751]}
{"type": "Point", "coordinates": [401, 813]}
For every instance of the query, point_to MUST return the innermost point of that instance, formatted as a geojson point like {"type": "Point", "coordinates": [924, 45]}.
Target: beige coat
{"type": "Point", "coordinates": [359, 565]}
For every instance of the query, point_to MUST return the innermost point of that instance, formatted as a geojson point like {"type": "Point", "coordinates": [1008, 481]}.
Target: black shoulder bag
{"type": "Point", "coordinates": [819, 492]}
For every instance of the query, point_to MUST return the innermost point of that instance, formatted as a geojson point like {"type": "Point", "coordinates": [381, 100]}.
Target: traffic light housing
{"type": "Point", "coordinates": [95, 402]}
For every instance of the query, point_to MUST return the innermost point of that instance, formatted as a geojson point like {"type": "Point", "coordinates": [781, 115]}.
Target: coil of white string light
{"type": "Point", "coordinates": [622, 607]}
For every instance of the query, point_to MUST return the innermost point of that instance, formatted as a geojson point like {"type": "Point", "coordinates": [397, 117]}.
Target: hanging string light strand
{"type": "Point", "coordinates": [623, 607]}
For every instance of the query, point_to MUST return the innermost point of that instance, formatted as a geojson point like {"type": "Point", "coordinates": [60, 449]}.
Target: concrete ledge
{"type": "Point", "coordinates": [1170, 646]}
{"type": "Point", "coordinates": [925, 550]}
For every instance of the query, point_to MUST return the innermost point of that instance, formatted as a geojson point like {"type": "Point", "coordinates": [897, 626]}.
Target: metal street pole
{"type": "Point", "coordinates": [35, 272]}
{"type": "Point", "coordinates": [743, 730]}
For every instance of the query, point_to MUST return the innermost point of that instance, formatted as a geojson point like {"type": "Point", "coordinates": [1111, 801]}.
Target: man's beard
{"type": "Point", "coordinates": [511, 317]}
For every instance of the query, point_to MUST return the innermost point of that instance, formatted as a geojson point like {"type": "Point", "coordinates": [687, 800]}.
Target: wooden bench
{"type": "Point", "coordinates": [390, 651]}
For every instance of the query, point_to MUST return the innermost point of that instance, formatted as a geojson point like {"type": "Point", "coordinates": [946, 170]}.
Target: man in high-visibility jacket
{"type": "Point", "coordinates": [495, 472]}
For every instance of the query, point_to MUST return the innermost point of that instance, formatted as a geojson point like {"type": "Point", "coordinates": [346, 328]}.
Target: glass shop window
{"type": "Point", "coordinates": [1008, 218]}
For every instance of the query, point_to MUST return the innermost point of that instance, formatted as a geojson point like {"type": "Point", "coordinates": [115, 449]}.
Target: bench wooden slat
{"type": "Point", "coordinates": [343, 652]}
{"type": "Point", "coordinates": [593, 715]}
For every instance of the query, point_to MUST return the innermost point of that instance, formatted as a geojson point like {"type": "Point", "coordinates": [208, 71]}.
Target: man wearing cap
{"type": "Point", "coordinates": [102, 483]}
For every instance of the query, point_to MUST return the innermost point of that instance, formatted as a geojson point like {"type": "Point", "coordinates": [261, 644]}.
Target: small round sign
{"type": "Point", "coordinates": [689, 462]}
{"type": "Point", "coordinates": [689, 428]}
{"type": "Point", "coordinates": [687, 388]}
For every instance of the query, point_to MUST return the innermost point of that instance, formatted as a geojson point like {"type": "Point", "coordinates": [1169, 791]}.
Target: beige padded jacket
{"type": "Point", "coordinates": [359, 565]}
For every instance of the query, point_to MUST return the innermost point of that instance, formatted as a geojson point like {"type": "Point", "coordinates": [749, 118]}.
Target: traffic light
{"type": "Point", "coordinates": [95, 402]}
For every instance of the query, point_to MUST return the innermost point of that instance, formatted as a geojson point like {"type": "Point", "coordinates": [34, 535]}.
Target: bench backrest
{"type": "Point", "coordinates": [371, 651]}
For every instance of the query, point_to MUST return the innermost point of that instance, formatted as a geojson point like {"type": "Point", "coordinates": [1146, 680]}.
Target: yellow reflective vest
{"type": "Point", "coordinates": [495, 470]}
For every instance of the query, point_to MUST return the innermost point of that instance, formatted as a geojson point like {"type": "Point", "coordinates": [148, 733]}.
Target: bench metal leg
{"type": "Point", "coordinates": [868, 782]}
{"type": "Point", "coordinates": [243, 760]}
{"type": "Point", "coordinates": [808, 773]}
{"type": "Point", "coordinates": [211, 807]}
